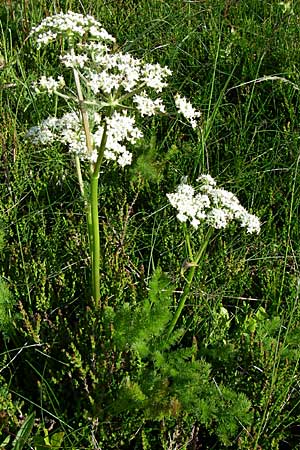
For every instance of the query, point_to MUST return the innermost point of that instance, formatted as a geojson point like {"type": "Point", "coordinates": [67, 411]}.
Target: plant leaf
{"type": "Point", "coordinates": [24, 432]}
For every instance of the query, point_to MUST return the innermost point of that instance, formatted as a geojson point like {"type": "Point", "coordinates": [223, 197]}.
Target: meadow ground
{"type": "Point", "coordinates": [75, 375]}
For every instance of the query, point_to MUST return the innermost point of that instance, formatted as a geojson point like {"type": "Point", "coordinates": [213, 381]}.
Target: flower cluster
{"type": "Point", "coordinates": [148, 107]}
{"type": "Point", "coordinates": [211, 205]}
{"type": "Point", "coordinates": [117, 87]}
{"type": "Point", "coordinates": [72, 25]}
{"type": "Point", "coordinates": [72, 60]}
{"type": "Point", "coordinates": [121, 71]}
{"type": "Point", "coordinates": [68, 130]}
{"type": "Point", "coordinates": [187, 110]}
{"type": "Point", "coordinates": [49, 84]}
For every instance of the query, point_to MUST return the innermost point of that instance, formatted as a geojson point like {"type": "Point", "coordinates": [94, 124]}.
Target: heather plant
{"type": "Point", "coordinates": [7, 308]}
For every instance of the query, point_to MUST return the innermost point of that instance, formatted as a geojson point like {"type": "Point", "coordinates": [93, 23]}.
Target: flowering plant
{"type": "Point", "coordinates": [112, 90]}
{"type": "Point", "coordinates": [211, 206]}
{"type": "Point", "coordinates": [107, 94]}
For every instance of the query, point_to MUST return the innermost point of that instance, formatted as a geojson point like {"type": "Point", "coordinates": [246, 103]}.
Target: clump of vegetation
{"type": "Point", "coordinates": [163, 333]}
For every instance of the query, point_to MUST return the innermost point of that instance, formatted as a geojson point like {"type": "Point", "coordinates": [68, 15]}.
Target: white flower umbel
{"type": "Point", "coordinates": [116, 85]}
{"type": "Point", "coordinates": [72, 60]}
{"type": "Point", "coordinates": [213, 206]}
{"type": "Point", "coordinates": [49, 84]}
{"type": "Point", "coordinates": [147, 106]}
{"type": "Point", "coordinates": [121, 126]}
{"type": "Point", "coordinates": [71, 25]}
{"type": "Point", "coordinates": [154, 75]}
{"type": "Point", "coordinates": [187, 110]}
{"type": "Point", "coordinates": [66, 130]}
{"type": "Point", "coordinates": [118, 66]}
{"type": "Point", "coordinates": [113, 86]}
{"type": "Point", "coordinates": [121, 129]}
{"type": "Point", "coordinates": [210, 206]}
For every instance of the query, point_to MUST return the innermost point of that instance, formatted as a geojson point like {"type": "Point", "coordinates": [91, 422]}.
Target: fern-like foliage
{"type": "Point", "coordinates": [141, 328]}
{"type": "Point", "coordinates": [167, 381]}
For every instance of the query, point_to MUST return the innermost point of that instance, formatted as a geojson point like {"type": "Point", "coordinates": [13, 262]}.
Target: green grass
{"type": "Point", "coordinates": [59, 358]}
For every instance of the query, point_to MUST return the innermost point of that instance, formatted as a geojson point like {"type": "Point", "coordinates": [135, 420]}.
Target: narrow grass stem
{"type": "Point", "coordinates": [290, 221]}
{"type": "Point", "coordinates": [188, 242]}
{"type": "Point", "coordinates": [87, 206]}
{"type": "Point", "coordinates": [189, 280]}
{"type": "Point", "coordinates": [79, 176]}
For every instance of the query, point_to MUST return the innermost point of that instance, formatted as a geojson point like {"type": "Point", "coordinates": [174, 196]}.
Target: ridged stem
{"type": "Point", "coordinates": [193, 265]}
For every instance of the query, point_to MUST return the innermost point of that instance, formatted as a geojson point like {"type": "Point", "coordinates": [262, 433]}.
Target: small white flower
{"type": "Point", "coordinates": [125, 159]}
{"type": "Point", "coordinates": [195, 222]}
{"type": "Point", "coordinates": [102, 34]}
{"type": "Point", "coordinates": [97, 136]}
{"type": "Point", "coordinates": [118, 66]}
{"type": "Point", "coordinates": [72, 60]}
{"type": "Point", "coordinates": [207, 179]}
{"type": "Point", "coordinates": [49, 84]}
{"type": "Point", "coordinates": [147, 106]}
{"type": "Point", "coordinates": [182, 217]}
{"type": "Point", "coordinates": [217, 218]}
{"type": "Point", "coordinates": [121, 127]}
{"type": "Point", "coordinates": [187, 110]}
{"type": "Point", "coordinates": [46, 37]}
{"type": "Point", "coordinates": [154, 75]}
{"type": "Point", "coordinates": [253, 225]}
{"type": "Point", "coordinates": [249, 221]}
{"type": "Point", "coordinates": [110, 155]}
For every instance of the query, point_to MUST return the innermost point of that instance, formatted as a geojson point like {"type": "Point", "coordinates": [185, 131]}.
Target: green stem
{"type": "Point", "coordinates": [95, 240]}
{"type": "Point", "coordinates": [189, 279]}
{"type": "Point", "coordinates": [101, 150]}
{"type": "Point", "coordinates": [130, 94]}
{"type": "Point", "coordinates": [95, 222]}
{"type": "Point", "coordinates": [188, 242]}
{"type": "Point", "coordinates": [181, 303]}
{"type": "Point", "coordinates": [79, 176]}
{"type": "Point", "coordinates": [92, 204]}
